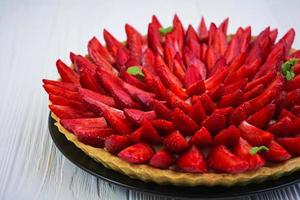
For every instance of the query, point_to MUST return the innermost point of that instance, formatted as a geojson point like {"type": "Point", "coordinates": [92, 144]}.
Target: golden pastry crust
{"type": "Point", "coordinates": [169, 177]}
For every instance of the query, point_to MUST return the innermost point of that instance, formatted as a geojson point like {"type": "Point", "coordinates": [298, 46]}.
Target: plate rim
{"type": "Point", "coordinates": [52, 129]}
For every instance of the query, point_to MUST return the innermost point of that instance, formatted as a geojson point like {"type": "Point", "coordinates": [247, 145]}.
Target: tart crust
{"type": "Point", "coordinates": [169, 177]}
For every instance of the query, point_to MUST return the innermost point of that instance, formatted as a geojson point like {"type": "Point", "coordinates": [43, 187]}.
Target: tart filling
{"type": "Point", "coordinates": [184, 107]}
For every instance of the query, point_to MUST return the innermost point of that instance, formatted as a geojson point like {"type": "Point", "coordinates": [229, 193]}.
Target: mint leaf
{"type": "Point", "coordinates": [135, 71]}
{"type": "Point", "coordinates": [287, 68]}
{"type": "Point", "coordinates": [164, 31]}
{"type": "Point", "coordinates": [255, 150]}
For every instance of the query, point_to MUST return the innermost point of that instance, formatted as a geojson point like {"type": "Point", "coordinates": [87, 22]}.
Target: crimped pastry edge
{"type": "Point", "coordinates": [169, 177]}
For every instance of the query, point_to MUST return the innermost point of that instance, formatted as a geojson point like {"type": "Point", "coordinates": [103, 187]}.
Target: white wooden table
{"type": "Point", "coordinates": [34, 33]}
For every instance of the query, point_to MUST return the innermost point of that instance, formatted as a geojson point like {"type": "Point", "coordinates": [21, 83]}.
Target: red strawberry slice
{"type": "Point", "coordinates": [116, 143]}
{"type": "Point", "coordinates": [134, 81]}
{"type": "Point", "coordinates": [80, 62]}
{"type": "Point", "coordinates": [196, 88]}
{"type": "Point", "coordinates": [136, 136]}
{"type": "Point", "coordinates": [175, 102]}
{"type": "Point", "coordinates": [220, 42]}
{"type": "Point", "coordinates": [238, 115]}
{"type": "Point", "coordinates": [154, 39]}
{"type": "Point", "coordinates": [72, 124]}
{"type": "Point", "coordinates": [276, 153]}
{"type": "Point", "coordinates": [155, 21]}
{"type": "Point", "coordinates": [148, 60]}
{"type": "Point", "coordinates": [183, 122]}
{"type": "Point", "coordinates": [242, 150]}
{"type": "Point", "coordinates": [175, 142]}
{"type": "Point", "coordinates": [234, 99]}
{"type": "Point", "coordinates": [178, 69]}
{"type": "Point", "coordinates": [222, 160]}
{"type": "Point", "coordinates": [209, 104]}
{"type": "Point", "coordinates": [143, 96]}
{"type": "Point", "coordinates": [228, 137]}
{"type": "Point", "coordinates": [254, 92]}
{"type": "Point", "coordinates": [67, 112]}
{"type": "Point", "coordinates": [245, 39]}
{"type": "Point", "coordinates": [112, 43]}
{"type": "Point", "coordinates": [169, 52]}
{"type": "Point", "coordinates": [262, 117]}
{"type": "Point", "coordinates": [192, 161]}
{"type": "Point", "coordinates": [191, 34]}
{"type": "Point", "coordinates": [137, 116]}
{"type": "Point", "coordinates": [137, 153]}
{"type": "Point", "coordinates": [254, 135]}
{"type": "Point", "coordinates": [286, 113]}
{"type": "Point", "coordinates": [88, 80]}
{"type": "Point", "coordinates": [211, 58]}
{"type": "Point", "coordinates": [96, 97]}
{"type": "Point", "coordinates": [224, 25]}
{"type": "Point", "coordinates": [288, 39]}
{"type": "Point", "coordinates": [149, 133]}
{"type": "Point", "coordinates": [68, 86]}
{"type": "Point", "coordinates": [162, 159]}
{"type": "Point", "coordinates": [296, 110]}
{"type": "Point", "coordinates": [235, 86]}
{"type": "Point", "coordinates": [202, 30]}
{"type": "Point", "coordinates": [293, 98]}
{"type": "Point", "coordinates": [122, 58]}
{"type": "Point", "coordinates": [197, 112]}
{"type": "Point", "coordinates": [154, 83]}
{"type": "Point", "coordinates": [201, 138]}
{"type": "Point", "coordinates": [216, 79]}
{"type": "Point", "coordinates": [95, 45]}
{"type": "Point", "coordinates": [232, 50]}
{"type": "Point", "coordinates": [62, 92]}
{"type": "Point", "coordinates": [217, 92]}
{"type": "Point", "coordinates": [163, 126]}
{"type": "Point", "coordinates": [293, 84]}
{"type": "Point", "coordinates": [195, 72]}
{"type": "Point", "coordinates": [161, 110]}
{"type": "Point", "coordinates": [211, 33]}
{"type": "Point", "coordinates": [66, 73]}
{"type": "Point", "coordinates": [93, 136]}
{"type": "Point", "coordinates": [134, 43]}
{"type": "Point", "coordinates": [58, 100]}
{"type": "Point", "coordinates": [214, 123]}
{"type": "Point", "coordinates": [226, 112]}
{"type": "Point", "coordinates": [281, 128]}
{"type": "Point", "coordinates": [291, 144]}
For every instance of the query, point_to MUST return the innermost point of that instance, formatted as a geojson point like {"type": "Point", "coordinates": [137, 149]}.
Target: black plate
{"type": "Point", "coordinates": [86, 163]}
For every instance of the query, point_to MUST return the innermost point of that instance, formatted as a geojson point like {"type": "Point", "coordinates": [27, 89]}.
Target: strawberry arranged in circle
{"type": "Point", "coordinates": [190, 99]}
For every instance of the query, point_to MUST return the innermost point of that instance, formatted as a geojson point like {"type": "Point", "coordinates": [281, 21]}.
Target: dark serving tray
{"type": "Point", "coordinates": [86, 163]}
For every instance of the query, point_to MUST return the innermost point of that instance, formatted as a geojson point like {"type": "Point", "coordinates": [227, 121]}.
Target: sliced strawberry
{"type": "Point", "coordinates": [154, 39]}
{"type": "Point", "coordinates": [233, 99]}
{"type": "Point", "coordinates": [217, 92]}
{"type": "Point", "coordinates": [136, 136]}
{"type": "Point", "coordinates": [175, 142]}
{"type": "Point", "coordinates": [195, 72]}
{"type": "Point", "coordinates": [196, 88]}
{"type": "Point", "coordinates": [96, 97]}
{"type": "Point", "coordinates": [112, 43]}
{"type": "Point", "coordinates": [88, 80]}
{"type": "Point", "coordinates": [291, 144]}
{"type": "Point", "coordinates": [62, 92]}
{"type": "Point", "coordinates": [116, 143]}
{"type": "Point", "coordinates": [235, 86]}
{"type": "Point", "coordinates": [288, 39]}
{"type": "Point", "coordinates": [226, 112]}
{"type": "Point", "coordinates": [245, 39]}
{"type": "Point", "coordinates": [296, 110]}
{"type": "Point", "coordinates": [162, 159]}
{"type": "Point", "coordinates": [222, 160]}
{"type": "Point", "coordinates": [95, 45]}
{"type": "Point", "coordinates": [134, 43]}
{"type": "Point", "coordinates": [209, 104]}
{"type": "Point", "coordinates": [211, 58]}
{"type": "Point", "coordinates": [137, 116]}
{"type": "Point", "coordinates": [93, 136]}
{"type": "Point", "coordinates": [293, 84]}
{"type": "Point", "coordinates": [161, 110]}
{"type": "Point", "coordinates": [238, 115]}
{"type": "Point", "coordinates": [276, 153]}
{"type": "Point", "coordinates": [134, 81]}
{"type": "Point", "coordinates": [66, 73]}
{"type": "Point", "coordinates": [122, 59]}
{"type": "Point", "coordinates": [293, 98]}
{"type": "Point", "coordinates": [59, 100]}
{"type": "Point", "coordinates": [176, 102]}
{"type": "Point", "coordinates": [286, 113]}
{"type": "Point", "coordinates": [81, 62]}
{"type": "Point", "coordinates": [72, 124]}
{"type": "Point", "coordinates": [232, 50]}
{"type": "Point", "coordinates": [214, 123]}
{"type": "Point", "coordinates": [216, 79]}
{"type": "Point", "coordinates": [254, 92]}
{"type": "Point", "coordinates": [201, 138]}
{"type": "Point", "coordinates": [220, 42]}
{"type": "Point", "coordinates": [67, 112]}
{"type": "Point", "coordinates": [224, 25]}
{"type": "Point", "coordinates": [262, 117]}
{"type": "Point", "coordinates": [211, 33]}
{"type": "Point", "coordinates": [163, 126]}
{"type": "Point", "coordinates": [242, 150]}
{"type": "Point", "coordinates": [149, 133]}
{"type": "Point", "coordinates": [202, 30]}
{"type": "Point", "coordinates": [154, 83]}
{"type": "Point", "coordinates": [178, 69]}
{"type": "Point", "coordinates": [281, 128]}
{"type": "Point", "coordinates": [183, 122]}
{"type": "Point", "coordinates": [155, 21]}
{"type": "Point", "coordinates": [228, 137]}
{"type": "Point", "coordinates": [254, 135]}
{"type": "Point", "coordinates": [148, 60]}
{"type": "Point", "coordinates": [197, 112]}
{"type": "Point", "coordinates": [137, 153]}
{"type": "Point", "coordinates": [65, 85]}
{"type": "Point", "coordinates": [192, 161]}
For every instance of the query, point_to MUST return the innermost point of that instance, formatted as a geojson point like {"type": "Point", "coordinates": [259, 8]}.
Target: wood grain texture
{"type": "Point", "coordinates": [34, 33]}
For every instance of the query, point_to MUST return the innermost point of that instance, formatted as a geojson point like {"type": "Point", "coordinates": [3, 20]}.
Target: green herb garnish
{"type": "Point", "coordinates": [255, 150]}
{"type": "Point", "coordinates": [135, 71]}
{"type": "Point", "coordinates": [166, 30]}
{"type": "Point", "coordinates": [287, 68]}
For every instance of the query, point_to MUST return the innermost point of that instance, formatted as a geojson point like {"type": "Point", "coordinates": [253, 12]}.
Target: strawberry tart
{"type": "Point", "coordinates": [184, 106]}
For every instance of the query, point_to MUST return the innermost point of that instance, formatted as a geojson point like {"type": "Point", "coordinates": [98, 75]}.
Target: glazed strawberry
{"type": "Point", "coordinates": [72, 124]}
{"type": "Point", "coordinates": [59, 91]}
{"type": "Point", "coordinates": [262, 117]}
{"type": "Point", "coordinates": [201, 138]}
{"type": "Point", "coordinates": [161, 110]}
{"type": "Point", "coordinates": [209, 104]}
{"type": "Point", "coordinates": [59, 100]}
{"type": "Point", "coordinates": [176, 102]}
{"type": "Point", "coordinates": [228, 137]}
{"type": "Point", "coordinates": [192, 161]}
{"type": "Point", "coordinates": [222, 160]}
{"type": "Point", "coordinates": [183, 122]}
{"type": "Point", "coordinates": [254, 92]}
{"type": "Point", "coordinates": [115, 143]}
{"type": "Point", "coordinates": [66, 73]}
{"type": "Point", "coordinates": [235, 86]}
{"type": "Point", "coordinates": [134, 43]}
{"type": "Point", "coordinates": [281, 128]}
{"type": "Point", "coordinates": [202, 30]}
{"type": "Point", "coordinates": [243, 149]}
{"type": "Point", "coordinates": [67, 112]}
{"type": "Point", "coordinates": [238, 115]}
{"type": "Point", "coordinates": [68, 86]}
{"type": "Point", "coordinates": [149, 133]}
{"type": "Point", "coordinates": [163, 126]}
{"type": "Point", "coordinates": [276, 153]}
{"type": "Point", "coordinates": [214, 123]}
{"type": "Point", "coordinates": [112, 43]}
{"type": "Point", "coordinates": [162, 159]}
{"type": "Point", "coordinates": [154, 39]}
{"type": "Point", "coordinates": [195, 72]}
{"type": "Point", "coordinates": [175, 142]}
{"type": "Point", "coordinates": [197, 112]}
{"type": "Point", "coordinates": [93, 136]}
{"type": "Point", "coordinates": [95, 45]}
{"type": "Point", "coordinates": [254, 135]}
{"type": "Point", "coordinates": [85, 93]}
{"type": "Point", "coordinates": [137, 116]}
{"type": "Point", "coordinates": [196, 88]}
{"type": "Point", "coordinates": [136, 136]}
{"type": "Point", "coordinates": [88, 80]}
{"type": "Point", "coordinates": [216, 93]}
{"type": "Point", "coordinates": [234, 99]}
{"type": "Point", "coordinates": [137, 153]}
{"type": "Point", "coordinates": [291, 144]}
